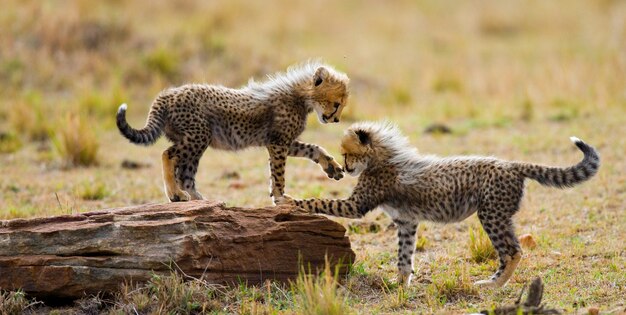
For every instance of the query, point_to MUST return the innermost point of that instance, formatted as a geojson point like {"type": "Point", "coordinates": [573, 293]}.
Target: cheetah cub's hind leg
{"type": "Point", "coordinates": [499, 228]}
{"type": "Point", "coordinates": [186, 177]}
{"type": "Point", "coordinates": [172, 190]}
{"type": "Point", "coordinates": [188, 167]}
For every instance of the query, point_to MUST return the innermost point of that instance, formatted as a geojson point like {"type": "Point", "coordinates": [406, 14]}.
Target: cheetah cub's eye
{"type": "Point", "coordinates": [337, 104]}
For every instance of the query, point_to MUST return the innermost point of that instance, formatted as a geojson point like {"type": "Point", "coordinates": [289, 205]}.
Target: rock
{"type": "Point", "coordinates": [593, 311]}
{"type": "Point", "coordinates": [69, 256]}
{"type": "Point", "coordinates": [230, 175]}
{"type": "Point", "coordinates": [133, 165]}
{"type": "Point", "coordinates": [528, 241]}
{"type": "Point", "coordinates": [438, 128]}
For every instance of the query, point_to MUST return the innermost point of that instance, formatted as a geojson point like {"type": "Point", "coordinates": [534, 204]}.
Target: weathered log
{"type": "Point", "coordinates": [69, 256]}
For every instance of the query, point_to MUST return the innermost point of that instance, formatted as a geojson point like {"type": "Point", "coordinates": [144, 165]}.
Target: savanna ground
{"type": "Point", "coordinates": [511, 79]}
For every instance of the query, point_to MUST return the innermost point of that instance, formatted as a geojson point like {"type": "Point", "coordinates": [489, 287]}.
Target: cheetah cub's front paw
{"type": "Point", "coordinates": [333, 169]}
{"type": "Point", "coordinates": [283, 200]}
{"type": "Point", "coordinates": [179, 195]}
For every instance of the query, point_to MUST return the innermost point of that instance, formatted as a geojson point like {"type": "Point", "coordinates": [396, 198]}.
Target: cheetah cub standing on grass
{"type": "Point", "coordinates": [272, 114]}
{"type": "Point", "coordinates": [410, 187]}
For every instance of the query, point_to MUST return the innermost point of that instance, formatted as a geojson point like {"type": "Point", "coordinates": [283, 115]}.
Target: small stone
{"type": "Point", "coordinates": [528, 241]}
{"type": "Point", "coordinates": [133, 165]}
{"type": "Point", "coordinates": [593, 310]}
{"type": "Point", "coordinates": [237, 184]}
{"type": "Point", "coordinates": [231, 175]}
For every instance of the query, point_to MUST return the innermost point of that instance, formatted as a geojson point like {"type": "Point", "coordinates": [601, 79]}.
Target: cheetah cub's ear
{"type": "Point", "coordinates": [364, 137]}
{"type": "Point", "coordinates": [321, 74]}
{"type": "Point", "coordinates": [355, 142]}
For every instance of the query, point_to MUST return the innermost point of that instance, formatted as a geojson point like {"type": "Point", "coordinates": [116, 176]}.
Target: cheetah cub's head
{"type": "Point", "coordinates": [329, 94]}
{"type": "Point", "coordinates": [370, 144]}
{"type": "Point", "coordinates": [356, 149]}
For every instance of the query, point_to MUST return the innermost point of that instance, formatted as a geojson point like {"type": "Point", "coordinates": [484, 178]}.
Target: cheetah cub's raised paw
{"type": "Point", "coordinates": [333, 169]}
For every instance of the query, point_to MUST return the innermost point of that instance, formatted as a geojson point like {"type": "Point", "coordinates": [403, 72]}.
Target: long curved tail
{"type": "Point", "coordinates": [148, 134]}
{"type": "Point", "coordinates": [565, 176]}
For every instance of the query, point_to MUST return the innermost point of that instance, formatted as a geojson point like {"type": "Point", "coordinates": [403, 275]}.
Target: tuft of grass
{"type": "Point", "coordinates": [449, 286]}
{"type": "Point", "coordinates": [93, 190]}
{"type": "Point", "coordinates": [480, 247]}
{"type": "Point", "coordinates": [12, 71]}
{"type": "Point", "coordinates": [445, 84]}
{"type": "Point", "coordinates": [76, 142]}
{"type": "Point", "coordinates": [566, 110]}
{"type": "Point", "coordinates": [398, 299]}
{"type": "Point", "coordinates": [527, 110]}
{"type": "Point", "coordinates": [420, 243]}
{"type": "Point", "coordinates": [19, 211]}
{"type": "Point", "coordinates": [169, 294]}
{"type": "Point", "coordinates": [9, 143]}
{"type": "Point", "coordinates": [14, 302]}
{"type": "Point", "coordinates": [29, 119]}
{"type": "Point", "coordinates": [162, 61]}
{"type": "Point", "coordinates": [363, 227]}
{"type": "Point", "coordinates": [401, 95]}
{"type": "Point", "coordinates": [100, 106]}
{"type": "Point", "coordinates": [319, 294]}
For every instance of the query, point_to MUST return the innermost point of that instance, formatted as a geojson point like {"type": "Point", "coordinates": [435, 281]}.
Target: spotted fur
{"type": "Point", "coordinates": [411, 187]}
{"type": "Point", "coordinates": [270, 114]}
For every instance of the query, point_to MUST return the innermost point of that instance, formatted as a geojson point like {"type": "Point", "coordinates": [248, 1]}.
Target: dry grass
{"type": "Point", "coordinates": [29, 118]}
{"type": "Point", "coordinates": [14, 303]}
{"type": "Point", "coordinates": [319, 294]}
{"type": "Point", "coordinates": [511, 79]}
{"type": "Point", "coordinates": [76, 142]}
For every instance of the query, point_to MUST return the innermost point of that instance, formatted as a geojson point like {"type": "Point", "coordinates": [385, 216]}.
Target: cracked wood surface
{"type": "Point", "coordinates": [68, 256]}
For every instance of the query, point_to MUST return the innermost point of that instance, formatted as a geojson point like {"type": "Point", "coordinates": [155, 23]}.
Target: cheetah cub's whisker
{"type": "Point", "coordinates": [411, 187]}
{"type": "Point", "coordinates": [272, 114]}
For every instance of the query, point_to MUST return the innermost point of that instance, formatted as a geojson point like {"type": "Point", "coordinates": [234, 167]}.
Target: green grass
{"type": "Point", "coordinates": [479, 245]}
{"type": "Point", "coordinates": [93, 190]}
{"type": "Point", "coordinates": [512, 79]}
{"type": "Point", "coordinates": [451, 285]}
{"type": "Point", "coordinates": [9, 143]}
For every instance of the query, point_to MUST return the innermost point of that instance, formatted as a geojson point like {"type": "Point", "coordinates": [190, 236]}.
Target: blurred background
{"type": "Point", "coordinates": [65, 66]}
{"type": "Point", "coordinates": [493, 76]}
{"type": "Point", "coordinates": [512, 79]}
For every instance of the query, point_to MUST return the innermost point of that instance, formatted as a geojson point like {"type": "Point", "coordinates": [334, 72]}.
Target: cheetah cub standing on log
{"type": "Point", "coordinates": [410, 187]}
{"type": "Point", "coordinates": [272, 114]}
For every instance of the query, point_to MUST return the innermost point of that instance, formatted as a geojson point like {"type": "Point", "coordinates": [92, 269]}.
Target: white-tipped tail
{"type": "Point", "coordinates": [572, 138]}
{"type": "Point", "coordinates": [122, 108]}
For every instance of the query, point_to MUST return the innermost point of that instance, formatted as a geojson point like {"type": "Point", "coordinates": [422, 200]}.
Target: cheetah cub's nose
{"type": "Point", "coordinates": [336, 119]}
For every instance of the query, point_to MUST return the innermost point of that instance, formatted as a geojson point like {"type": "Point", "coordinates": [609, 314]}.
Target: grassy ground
{"type": "Point", "coordinates": [511, 79]}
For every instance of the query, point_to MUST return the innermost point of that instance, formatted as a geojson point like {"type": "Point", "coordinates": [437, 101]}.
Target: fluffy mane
{"type": "Point", "coordinates": [388, 140]}
{"type": "Point", "coordinates": [296, 76]}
